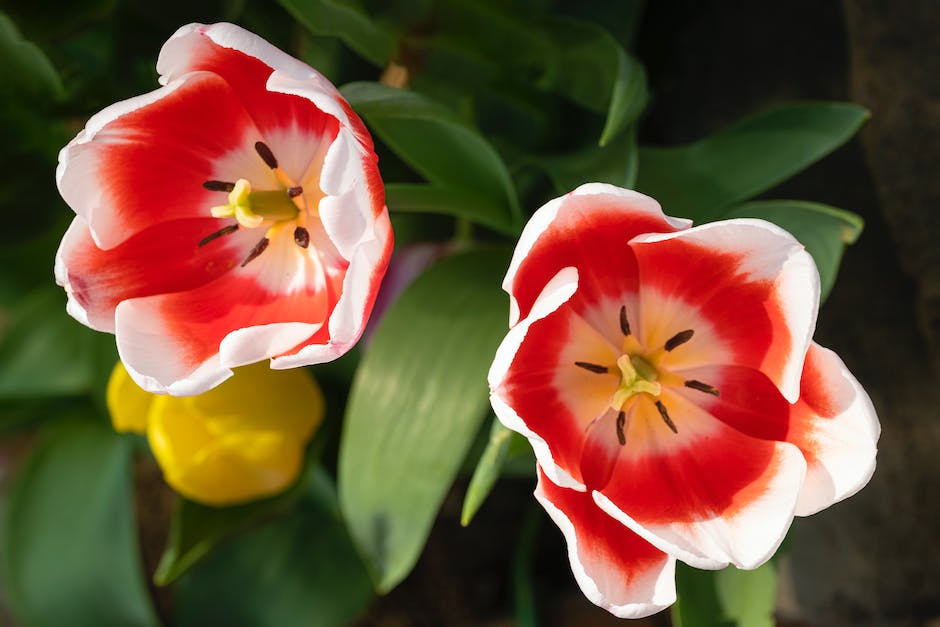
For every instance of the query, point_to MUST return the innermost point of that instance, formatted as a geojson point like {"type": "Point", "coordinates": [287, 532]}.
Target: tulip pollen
{"type": "Point", "coordinates": [678, 339]}
{"type": "Point", "coordinates": [259, 248]}
{"type": "Point", "coordinates": [665, 415]}
{"type": "Point", "coordinates": [595, 368]}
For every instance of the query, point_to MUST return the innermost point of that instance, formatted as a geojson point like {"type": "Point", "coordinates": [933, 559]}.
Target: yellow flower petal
{"type": "Point", "coordinates": [127, 403]}
{"type": "Point", "coordinates": [241, 441]}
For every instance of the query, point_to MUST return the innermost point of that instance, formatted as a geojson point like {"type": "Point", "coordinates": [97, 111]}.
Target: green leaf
{"type": "Point", "coordinates": [487, 471]}
{"type": "Point", "coordinates": [25, 68]}
{"type": "Point", "coordinates": [700, 179]}
{"type": "Point", "coordinates": [697, 604]}
{"type": "Point", "coordinates": [300, 569]}
{"type": "Point", "coordinates": [615, 163]}
{"type": "Point", "coordinates": [824, 230]}
{"type": "Point", "coordinates": [748, 596]}
{"type": "Point", "coordinates": [423, 198]}
{"type": "Point", "coordinates": [45, 352]}
{"type": "Point", "coordinates": [416, 403]}
{"type": "Point", "coordinates": [432, 140]}
{"type": "Point", "coordinates": [197, 529]}
{"type": "Point", "coordinates": [347, 20]}
{"type": "Point", "coordinates": [591, 68]}
{"type": "Point", "coordinates": [69, 545]}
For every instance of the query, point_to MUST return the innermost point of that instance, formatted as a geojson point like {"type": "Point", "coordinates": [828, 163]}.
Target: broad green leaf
{"type": "Point", "coordinates": [299, 569]}
{"type": "Point", "coordinates": [25, 69]}
{"type": "Point", "coordinates": [587, 65]}
{"type": "Point", "coordinates": [697, 604]}
{"type": "Point", "coordinates": [45, 352]}
{"type": "Point", "coordinates": [615, 163]}
{"type": "Point", "coordinates": [824, 230]}
{"type": "Point", "coordinates": [197, 529]}
{"type": "Point", "coordinates": [523, 589]}
{"type": "Point", "coordinates": [748, 596]}
{"type": "Point", "coordinates": [416, 403]}
{"type": "Point", "coordinates": [433, 141]}
{"type": "Point", "coordinates": [701, 179]}
{"type": "Point", "coordinates": [69, 548]}
{"type": "Point", "coordinates": [423, 198]}
{"type": "Point", "coordinates": [347, 20]}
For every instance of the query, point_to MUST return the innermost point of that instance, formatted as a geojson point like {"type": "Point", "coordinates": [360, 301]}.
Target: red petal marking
{"type": "Point", "coordinates": [164, 258]}
{"type": "Point", "coordinates": [271, 111]}
{"type": "Point", "coordinates": [591, 233]}
{"type": "Point", "coordinates": [743, 316]}
{"type": "Point", "coordinates": [747, 401]}
{"type": "Point", "coordinates": [707, 469]}
{"type": "Point", "coordinates": [153, 161]}
{"type": "Point", "coordinates": [614, 566]}
{"type": "Point", "coordinates": [835, 426]}
{"type": "Point", "coordinates": [554, 398]}
{"type": "Point", "coordinates": [200, 319]}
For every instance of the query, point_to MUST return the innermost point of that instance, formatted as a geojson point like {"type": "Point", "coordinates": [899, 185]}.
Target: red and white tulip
{"type": "Point", "coordinates": [233, 215]}
{"type": "Point", "coordinates": [667, 380]}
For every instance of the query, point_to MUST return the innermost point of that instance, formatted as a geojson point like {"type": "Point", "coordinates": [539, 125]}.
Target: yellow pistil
{"type": "Point", "coordinates": [637, 376]}
{"type": "Point", "coordinates": [252, 208]}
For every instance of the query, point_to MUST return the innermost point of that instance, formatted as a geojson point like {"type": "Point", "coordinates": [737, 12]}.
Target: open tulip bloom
{"type": "Point", "coordinates": [233, 215]}
{"type": "Point", "coordinates": [667, 380]}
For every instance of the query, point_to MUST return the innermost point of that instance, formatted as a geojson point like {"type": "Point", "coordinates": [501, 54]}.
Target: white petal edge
{"type": "Point", "coordinates": [766, 247]}
{"type": "Point", "coordinates": [660, 590]}
{"type": "Point", "coordinates": [543, 218]}
{"type": "Point", "coordinates": [849, 462]}
{"type": "Point", "coordinates": [290, 75]}
{"type": "Point", "coordinates": [349, 317]}
{"type": "Point", "coordinates": [76, 172]}
{"type": "Point", "coordinates": [744, 537]}
{"type": "Point", "coordinates": [556, 293]}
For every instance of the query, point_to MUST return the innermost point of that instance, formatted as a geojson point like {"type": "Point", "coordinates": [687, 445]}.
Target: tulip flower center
{"type": "Point", "coordinates": [641, 374]}
{"type": "Point", "coordinates": [254, 208]}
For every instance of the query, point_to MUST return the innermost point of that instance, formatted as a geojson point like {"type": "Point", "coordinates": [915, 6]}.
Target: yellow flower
{"type": "Point", "coordinates": [241, 441]}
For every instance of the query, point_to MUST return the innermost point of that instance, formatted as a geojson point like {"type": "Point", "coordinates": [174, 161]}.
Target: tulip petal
{"type": "Point", "coordinates": [589, 229]}
{"type": "Point", "coordinates": [747, 289]}
{"type": "Point", "coordinates": [835, 425]}
{"type": "Point", "coordinates": [266, 80]}
{"type": "Point", "coordinates": [163, 258]}
{"type": "Point", "coordinates": [189, 341]}
{"type": "Point", "coordinates": [522, 383]}
{"type": "Point", "coordinates": [615, 568]}
{"type": "Point", "coordinates": [708, 494]}
{"type": "Point", "coordinates": [143, 161]}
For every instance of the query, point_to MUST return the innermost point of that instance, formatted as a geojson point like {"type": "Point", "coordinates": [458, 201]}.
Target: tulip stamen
{"type": "Point", "coordinates": [259, 248]}
{"type": "Point", "coordinates": [665, 416]}
{"type": "Point", "coordinates": [294, 191]}
{"type": "Point", "coordinates": [621, 422]}
{"type": "Point", "coordinates": [266, 155]}
{"type": "Point", "coordinates": [678, 339]}
{"type": "Point", "coordinates": [595, 368]}
{"type": "Point", "coordinates": [219, 186]}
{"type": "Point", "coordinates": [301, 237]}
{"type": "Point", "coordinates": [223, 231]}
{"type": "Point", "coordinates": [624, 323]}
{"type": "Point", "coordinates": [702, 387]}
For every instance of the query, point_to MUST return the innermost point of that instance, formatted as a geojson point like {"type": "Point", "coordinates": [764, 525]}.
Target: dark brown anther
{"type": "Point", "coordinates": [301, 237]}
{"type": "Point", "coordinates": [266, 155]}
{"type": "Point", "coordinates": [295, 191]}
{"type": "Point", "coordinates": [223, 231]}
{"type": "Point", "coordinates": [624, 323]}
{"type": "Point", "coordinates": [257, 250]}
{"type": "Point", "coordinates": [679, 339]}
{"type": "Point", "coordinates": [621, 422]}
{"type": "Point", "coordinates": [592, 367]}
{"type": "Point", "coordinates": [219, 186]}
{"type": "Point", "coordinates": [665, 415]}
{"type": "Point", "coordinates": [702, 387]}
